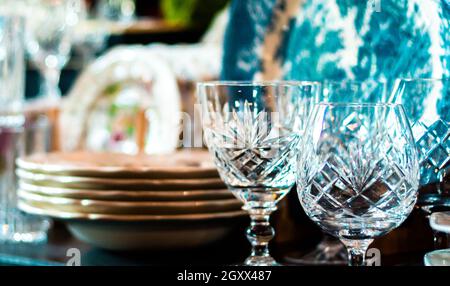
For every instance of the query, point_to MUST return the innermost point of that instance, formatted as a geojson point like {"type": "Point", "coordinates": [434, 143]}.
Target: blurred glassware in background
{"type": "Point", "coordinates": [17, 136]}
{"type": "Point", "coordinates": [440, 223]}
{"type": "Point", "coordinates": [90, 35]}
{"type": "Point", "coordinates": [33, 137]}
{"type": "Point", "coordinates": [427, 104]}
{"type": "Point", "coordinates": [49, 32]}
{"type": "Point", "coordinates": [358, 172]}
{"type": "Point", "coordinates": [12, 70]}
{"type": "Point", "coordinates": [331, 250]}
{"type": "Point", "coordinates": [117, 10]}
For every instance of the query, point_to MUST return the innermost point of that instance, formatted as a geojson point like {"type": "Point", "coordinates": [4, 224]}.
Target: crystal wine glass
{"type": "Point", "coordinates": [117, 10]}
{"type": "Point", "coordinates": [330, 250]}
{"type": "Point", "coordinates": [358, 173]}
{"type": "Point", "coordinates": [252, 130]}
{"type": "Point", "coordinates": [50, 25]}
{"type": "Point", "coordinates": [427, 104]}
{"type": "Point", "coordinates": [345, 91]}
{"type": "Point", "coordinates": [440, 223]}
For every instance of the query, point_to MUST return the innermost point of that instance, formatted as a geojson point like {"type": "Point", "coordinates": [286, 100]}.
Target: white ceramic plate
{"type": "Point", "coordinates": [133, 236]}
{"type": "Point", "coordinates": [121, 65]}
{"type": "Point", "coordinates": [87, 206]}
{"type": "Point", "coordinates": [186, 164]}
{"type": "Point", "coordinates": [28, 208]}
{"type": "Point", "coordinates": [113, 195]}
{"type": "Point", "coordinates": [73, 182]}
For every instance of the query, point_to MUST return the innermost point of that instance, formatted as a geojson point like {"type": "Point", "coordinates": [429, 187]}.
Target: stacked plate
{"type": "Point", "coordinates": [123, 202]}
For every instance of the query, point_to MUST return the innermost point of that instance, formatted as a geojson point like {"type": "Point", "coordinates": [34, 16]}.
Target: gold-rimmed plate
{"type": "Point", "coordinates": [87, 206]}
{"type": "Point", "coordinates": [75, 216]}
{"type": "Point", "coordinates": [136, 232]}
{"type": "Point", "coordinates": [77, 182]}
{"type": "Point", "coordinates": [186, 164]}
{"type": "Point", "coordinates": [125, 237]}
{"type": "Point", "coordinates": [126, 195]}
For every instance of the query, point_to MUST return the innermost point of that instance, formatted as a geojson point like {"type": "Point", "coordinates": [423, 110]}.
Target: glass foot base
{"type": "Point", "coordinates": [328, 252]}
{"type": "Point", "coordinates": [17, 227]}
{"type": "Point", "coordinates": [261, 261]}
{"type": "Point", "coordinates": [437, 258]}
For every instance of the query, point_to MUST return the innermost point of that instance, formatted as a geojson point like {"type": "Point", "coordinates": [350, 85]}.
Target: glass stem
{"type": "Point", "coordinates": [357, 251]}
{"type": "Point", "coordinates": [50, 89]}
{"type": "Point", "coordinates": [260, 232]}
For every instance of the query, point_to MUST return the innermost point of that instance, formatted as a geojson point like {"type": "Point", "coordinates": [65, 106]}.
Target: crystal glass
{"type": "Point", "coordinates": [358, 172]}
{"type": "Point", "coordinates": [252, 130]}
{"type": "Point", "coordinates": [117, 10]}
{"type": "Point", "coordinates": [427, 104]}
{"type": "Point", "coordinates": [12, 69]}
{"type": "Point", "coordinates": [330, 251]}
{"type": "Point", "coordinates": [34, 136]}
{"type": "Point", "coordinates": [17, 136]}
{"type": "Point", "coordinates": [90, 35]}
{"type": "Point", "coordinates": [367, 91]}
{"type": "Point", "coordinates": [50, 25]}
{"type": "Point", "coordinates": [440, 223]}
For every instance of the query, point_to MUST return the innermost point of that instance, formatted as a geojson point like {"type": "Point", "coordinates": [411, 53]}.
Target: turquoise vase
{"type": "Point", "coordinates": [337, 39]}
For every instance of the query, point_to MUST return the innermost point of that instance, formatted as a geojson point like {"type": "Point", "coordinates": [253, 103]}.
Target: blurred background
{"type": "Point", "coordinates": [109, 23]}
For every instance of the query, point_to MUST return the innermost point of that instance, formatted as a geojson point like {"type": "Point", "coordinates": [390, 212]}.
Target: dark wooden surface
{"type": "Point", "coordinates": [296, 235]}
{"type": "Point", "coordinates": [231, 251]}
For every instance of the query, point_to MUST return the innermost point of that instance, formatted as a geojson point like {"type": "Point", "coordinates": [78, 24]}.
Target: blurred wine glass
{"type": "Point", "coordinates": [90, 35]}
{"type": "Point", "coordinates": [117, 10]}
{"type": "Point", "coordinates": [50, 25]}
{"type": "Point", "coordinates": [440, 223]}
{"type": "Point", "coordinates": [12, 70]}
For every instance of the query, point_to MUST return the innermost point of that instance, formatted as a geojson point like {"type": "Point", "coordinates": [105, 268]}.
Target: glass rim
{"type": "Point", "coordinates": [263, 83]}
{"type": "Point", "coordinates": [359, 104]}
